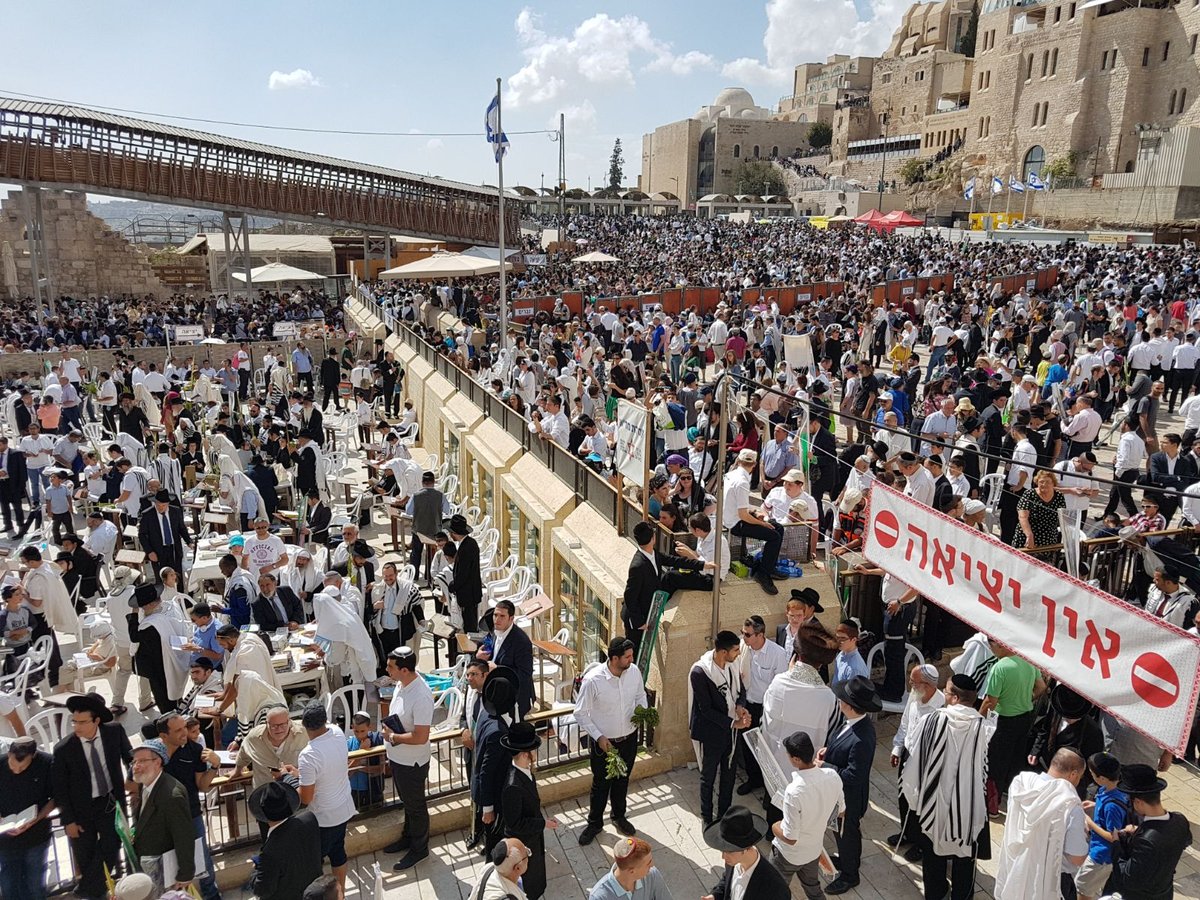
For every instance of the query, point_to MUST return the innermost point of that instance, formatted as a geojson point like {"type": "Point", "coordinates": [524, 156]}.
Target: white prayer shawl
{"type": "Point", "coordinates": [797, 700]}
{"type": "Point", "coordinates": [118, 605]}
{"type": "Point", "coordinates": [205, 390]}
{"type": "Point", "coordinates": [250, 656]}
{"type": "Point", "coordinates": [175, 662]}
{"type": "Point", "coordinates": [303, 581]}
{"type": "Point", "coordinates": [944, 778]}
{"type": "Point", "coordinates": [253, 693]}
{"type": "Point", "coordinates": [975, 661]}
{"type": "Point", "coordinates": [220, 446]}
{"type": "Point", "coordinates": [144, 399]}
{"type": "Point", "coordinates": [350, 645]}
{"type": "Point", "coordinates": [728, 681]}
{"type": "Point", "coordinates": [134, 450]}
{"type": "Point", "coordinates": [1035, 829]}
{"type": "Point", "coordinates": [166, 470]}
{"type": "Point", "coordinates": [235, 483]}
{"type": "Point", "coordinates": [45, 584]}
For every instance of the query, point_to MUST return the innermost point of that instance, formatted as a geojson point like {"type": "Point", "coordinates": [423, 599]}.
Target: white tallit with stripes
{"type": "Point", "coordinates": [944, 778]}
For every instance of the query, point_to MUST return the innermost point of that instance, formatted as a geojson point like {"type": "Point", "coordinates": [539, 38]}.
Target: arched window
{"type": "Point", "coordinates": [737, 151]}
{"type": "Point", "coordinates": [1182, 99]}
{"type": "Point", "coordinates": [774, 152]}
{"type": "Point", "coordinates": [1171, 104]}
{"type": "Point", "coordinates": [1035, 161]}
{"type": "Point", "coordinates": [756, 151]}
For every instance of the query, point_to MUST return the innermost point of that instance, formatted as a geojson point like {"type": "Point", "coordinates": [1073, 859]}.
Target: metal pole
{"type": "Point", "coordinates": [227, 227]}
{"type": "Point", "coordinates": [718, 524]}
{"type": "Point", "coordinates": [35, 269]}
{"type": "Point", "coordinates": [562, 164]}
{"type": "Point", "coordinates": [41, 235]}
{"type": "Point", "coordinates": [883, 165]}
{"type": "Point", "coordinates": [503, 300]}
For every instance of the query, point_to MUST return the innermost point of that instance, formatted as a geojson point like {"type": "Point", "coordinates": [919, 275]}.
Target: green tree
{"type": "Point", "coordinates": [1061, 166]}
{"type": "Point", "coordinates": [758, 177]}
{"type": "Point", "coordinates": [616, 166]}
{"type": "Point", "coordinates": [820, 134]}
{"type": "Point", "coordinates": [912, 170]}
{"type": "Point", "coordinates": [966, 43]}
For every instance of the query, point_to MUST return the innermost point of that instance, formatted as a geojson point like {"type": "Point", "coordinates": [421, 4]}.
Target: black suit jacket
{"type": "Point", "coordinates": [151, 536]}
{"type": "Point", "coordinates": [824, 446]}
{"type": "Point", "coordinates": [24, 415]}
{"type": "Point", "coordinates": [331, 372]}
{"type": "Point", "coordinates": [1185, 472]}
{"type": "Point", "coordinates": [14, 486]}
{"type": "Point", "coordinates": [517, 652]}
{"type": "Point", "coordinates": [850, 752]}
{"type": "Point", "coordinates": [164, 823]}
{"type": "Point", "coordinates": [71, 777]}
{"type": "Point", "coordinates": [263, 611]}
{"type": "Point", "coordinates": [319, 518]}
{"type": "Point", "coordinates": [993, 428]}
{"type": "Point", "coordinates": [708, 719]}
{"type": "Point", "coordinates": [290, 859]}
{"type": "Point", "coordinates": [492, 762]}
{"type": "Point", "coordinates": [643, 580]}
{"type": "Point", "coordinates": [765, 884]}
{"type": "Point", "coordinates": [521, 807]}
{"type": "Point", "coordinates": [468, 577]}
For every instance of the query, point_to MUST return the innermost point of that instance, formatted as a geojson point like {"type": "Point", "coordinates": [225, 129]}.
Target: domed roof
{"type": "Point", "coordinates": [735, 99]}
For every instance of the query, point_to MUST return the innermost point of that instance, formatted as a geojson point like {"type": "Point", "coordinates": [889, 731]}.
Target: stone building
{"type": "Point", "coordinates": [820, 89]}
{"type": "Point", "coordinates": [698, 156]}
{"type": "Point", "coordinates": [84, 255]}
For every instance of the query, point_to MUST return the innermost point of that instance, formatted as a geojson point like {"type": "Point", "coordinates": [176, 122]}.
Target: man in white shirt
{"type": "Point", "coordinates": [919, 484]}
{"type": "Point", "coordinates": [408, 753]}
{"type": "Point", "coordinates": [555, 426]}
{"type": "Point", "coordinates": [608, 697]}
{"type": "Point", "coordinates": [134, 480]}
{"type": "Point", "coordinates": [759, 662]}
{"type": "Point", "coordinates": [265, 551]}
{"type": "Point", "coordinates": [102, 537]}
{"type": "Point", "coordinates": [1083, 427]}
{"type": "Point", "coordinates": [941, 426]}
{"type": "Point", "coordinates": [742, 520]}
{"type": "Point", "coordinates": [923, 698]}
{"type": "Point", "coordinates": [1131, 453]}
{"type": "Point", "coordinates": [701, 528]}
{"type": "Point", "coordinates": [156, 382]}
{"type": "Point", "coordinates": [1019, 477]}
{"type": "Point", "coordinates": [813, 796]}
{"type": "Point", "coordinates": [324, 787]}
{"type": "Point", "coordinates": [37, 448]}
{"type": "Point", "coordinates": [1183, 370]}
{"type": "Point", "coordinates": [1078, 492]}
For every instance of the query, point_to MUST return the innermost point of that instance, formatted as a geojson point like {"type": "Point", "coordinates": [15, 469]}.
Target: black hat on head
{"type": "Point", "coordinates": [964, 682]}
{"type": "Point", "coordinates": [808, 596]}
{"type": "Point", "coordinates": [860, 693]}
{"type": "Point", "coordinates": [738, 829]}
{"type": "Point", "coordinates": [361, 548]}
{"type": "Point", "coordinates": [273, 801]}
{"type": "Point", "coordinates": [817, 646]}
{"type": "Point", "coordinates": [500, 690]}
{"type": "Point", "coordinates": [91, 703]}
{"type": "Point", "coordinates": [521, 737]}
{"type": "Point", "coordinates": [458, 524]}
{"type": "Point", "coordinates": [162, 496]}
{"type": "Point", "coordinates": [145, 594]}
{"type": "Point", "coordinates": [1069, 704]}
{"type": "Point", "coordinates": [1138, 778]}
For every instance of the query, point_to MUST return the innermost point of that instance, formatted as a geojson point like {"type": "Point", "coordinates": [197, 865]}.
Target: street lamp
{"type": "Point", "coordinates": [886, 121]}
{"type": "Point", "coordinates": [679, 203]}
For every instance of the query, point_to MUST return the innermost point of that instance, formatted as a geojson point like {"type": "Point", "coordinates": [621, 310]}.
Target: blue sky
{"type": "Point", "coordinates": [615, 69]}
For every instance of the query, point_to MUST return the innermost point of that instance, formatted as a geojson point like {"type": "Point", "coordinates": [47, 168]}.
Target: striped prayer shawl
{"type": "Point", "coordinates": [944, 779]}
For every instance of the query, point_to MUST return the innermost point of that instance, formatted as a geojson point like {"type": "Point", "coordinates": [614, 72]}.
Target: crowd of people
{"type": "Point", "coordinates": [933, 396]}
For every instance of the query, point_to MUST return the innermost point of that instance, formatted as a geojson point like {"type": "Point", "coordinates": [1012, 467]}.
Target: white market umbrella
{"type": "Point", "coordinates": [212, 341]}
{"type": "Point", "coordinates": [595, 257]}
{"type": "Point", "coordinates": [277, 272]}
{"type": "Point", "coordinates": [445, 265]}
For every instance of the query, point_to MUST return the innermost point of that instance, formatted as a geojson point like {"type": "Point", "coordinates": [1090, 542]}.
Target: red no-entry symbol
{"type": "Point", "coordinates": [1155, 680]}
{"type": "Point", "coordinates": [887, 529]}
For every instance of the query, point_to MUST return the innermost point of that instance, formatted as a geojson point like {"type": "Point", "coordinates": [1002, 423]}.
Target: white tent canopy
{"type": "Point", "coordinates": [445, 265]}
{"type": "Point", "coordinates": [276, 272]}
{"type": "Point", "coordinates": [492, 253]}
{"type": "Point", "coordinates": [595, 257]}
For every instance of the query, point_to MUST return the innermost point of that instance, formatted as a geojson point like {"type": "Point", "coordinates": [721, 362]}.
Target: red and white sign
{"type": "Point", "coordinates": [1141, 669]}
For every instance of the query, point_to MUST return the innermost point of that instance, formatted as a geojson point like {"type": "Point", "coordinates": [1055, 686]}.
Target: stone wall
{"type": "Point", "coordinates": [86, 257]}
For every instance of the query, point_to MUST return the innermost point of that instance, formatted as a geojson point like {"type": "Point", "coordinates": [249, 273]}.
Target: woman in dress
{"type": "Point", "coordinates": [1037, 511]}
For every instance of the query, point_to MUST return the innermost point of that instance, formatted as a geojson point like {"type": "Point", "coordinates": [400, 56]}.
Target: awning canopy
{"type": "Point", "coordinates": [445, 265]}
{"type": "Point", "coordinates": [901, 219]}
{"type": "Point", "coordinates": [276, 272]}
{"type": "Point", "coordinates": [595, 257]}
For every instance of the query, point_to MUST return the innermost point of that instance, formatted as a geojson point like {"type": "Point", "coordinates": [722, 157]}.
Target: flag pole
{"type": "Point", "coordinates": [1025, 212]}
{"type": "Point", "coordinates": [1008, 197]}
{"type": "Point", "coordinates": [500, 179]}
{"type": "Point", "coordinates": [991, 194]}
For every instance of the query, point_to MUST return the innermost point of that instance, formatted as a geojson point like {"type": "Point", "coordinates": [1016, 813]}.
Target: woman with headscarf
{"type": "Point", "coordinates": [342, 637]}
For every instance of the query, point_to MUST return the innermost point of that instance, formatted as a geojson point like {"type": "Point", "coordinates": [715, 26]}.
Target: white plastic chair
{"type": "Point", "coordinates": [451, 701]}
{"type": "Point", "coordinates": [912, 657]}
{"type": "Point", "coordinates": [991, 487]}
{"type": "Point", "coordinates": [511, 587]}
{"type": "Point", "coordinates": [49, 727]}
{"type": "Point", "coordinates": [38, 658]}
{"type": "Point", "coordinates": [346, 701]}
{"type": "Point", "coordinates": [18, 682]}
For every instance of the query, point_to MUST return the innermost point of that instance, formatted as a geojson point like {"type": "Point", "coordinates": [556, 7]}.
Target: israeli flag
{"type": "Point", "coordinates": [497, 138]}
{"type": "Point", "coordinates": [997, 184]}
{"type": "Point", "coordinates": [1015, 186]}
{"type": "Point", "coordinates": [1036, 183]}
{"type": "Point", "coordinates": [969, 190]}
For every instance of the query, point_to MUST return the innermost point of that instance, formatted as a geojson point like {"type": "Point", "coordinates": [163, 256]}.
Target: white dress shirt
{"type": "Point", "coordinates": [606, 702]}
{"type": "Point", "coordinates": [761, 668]}
{"type": "Point", "coordinates": [914, 712]}
{"type": "Point", "coordinates": [741, 878]}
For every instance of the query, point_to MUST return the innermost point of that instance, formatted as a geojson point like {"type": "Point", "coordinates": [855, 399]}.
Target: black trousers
{"type": "Point", "coordinates": [243, 383]}
{"type": "Point", "coordinates": [327, 391]}
{"type": "Point", "coordinates": [410, 786]}
{"type": "Point", "coordinates": [1178, 381]}
{"type": "Point", "coordinates": [961, 884]}
{"type": "Point", "coordinates": [386, 640]}
{"type": "Point", "coordinates": [13, 512]}
{"type": "Point", "coordinates": [849, 844]}
{"type": "Point", "coordinates": [307, 378]}
{"type": "Point", "coordinates": [391, 402]}
{"type": "Point", "coordinates": [1008, 748]}
{"type": "Point", "coordinates": [1008, 514]}
{"type": "Point", "coordinates": [1122, 493]}
{"type": "Point", "coordinates": [910, 828]}
{"type": "Point", "coordinates": [533, 882]}
{"type": "Point", "coordinates": [97, 845]}
{"type": "Point", "coordinates": [716, 769]}
{"type": "Point", "coordinates": [614, 793]}
{"type": "Point", "coordinates": [749, 763]}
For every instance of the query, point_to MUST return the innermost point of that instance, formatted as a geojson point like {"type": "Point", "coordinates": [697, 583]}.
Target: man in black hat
{"type": "Point", "coordinates": [491, 759]}
{"type": "Point", "coordinates": [521, 806]}
{"type": "Point", "coordinates": [1145, 855]}
{"type": "Point", "coordinates": [163, 534]}
{"type": "Point", "coordinates": [1068, 723]}
{"type": "Point", "coordinates": [802, 606]}
{"type": "Point", "coordinates": [156, 660]}
{"type": "Point", "coordinates": [850, 752]}
{"type": "Point", "coordinates": [747, 875]}
{"type": "Point", "coordinates": [312, 423]}
{"type": "Point", "coordinates": [467, 583]}
{"type": "Point", "coordinates": [290, 859]}
{"type": "Point", "coordinates": [88, 775]}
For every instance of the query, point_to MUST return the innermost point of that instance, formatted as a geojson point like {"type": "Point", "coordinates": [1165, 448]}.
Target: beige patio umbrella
{"type": "Point", "coordinates": [445, 265]}
{"type": "Point", "coordinates": [596, 256]}
{"type": "Point", "coordinates": [277, 273]}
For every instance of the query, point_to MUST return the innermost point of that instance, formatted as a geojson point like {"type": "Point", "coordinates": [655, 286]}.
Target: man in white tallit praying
{"type": "Point", "coordinates": [944, 783]}
{"type": "Point", "coordinates": [798, 700]}
{"type": "Point", "coordinates": [342, 638]}
{"type": "Point", "coordinates": [1045, 837]}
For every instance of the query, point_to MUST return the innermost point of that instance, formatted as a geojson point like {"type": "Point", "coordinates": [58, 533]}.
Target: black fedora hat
{"type": "Point", "coordinates": [521, 737]}
{"type": "Point", "coordinates": [810, 597]}
{"type": "Point", "coordinates": [1069, 704]}
{"type": "Point", "coordinates": [738, 829]}
{"type": "Point", "coordinates": [273, 801]}
{"type": "Point", "coordinates": [860, 693]}
{"type": "Point", "coordinates": [458, 524]}
{"type": "Point", "coordinates": [92, 703]}
{"type": "Point", "coordinates": [500, 690]}
{"type": "Point", "coordinates": [1139, 778]}
{"type": "Point", "coordinates": [145, 594]}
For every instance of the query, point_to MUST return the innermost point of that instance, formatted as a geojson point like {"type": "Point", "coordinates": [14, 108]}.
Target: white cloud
{"type": "Point", "coordinates": [577, 116]}
{"type": "Point", "coordinates": [600, 50]}
{"type": "Point", "coordinates": [800, 31]}
{"type": "Point", "coordinates": [297, 78]}
{"type": "Point", "coordinates": [434, 144]}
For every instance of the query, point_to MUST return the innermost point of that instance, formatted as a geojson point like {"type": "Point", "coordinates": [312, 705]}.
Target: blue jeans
{"type": "Point", "coordinates": [23, 872]}
{"type": "Point", "coordinates": [35, 485]}
{"type": "Point", "coordinates": [208, 884]}
{"type": "Point", "coordinates": [937, 356]}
